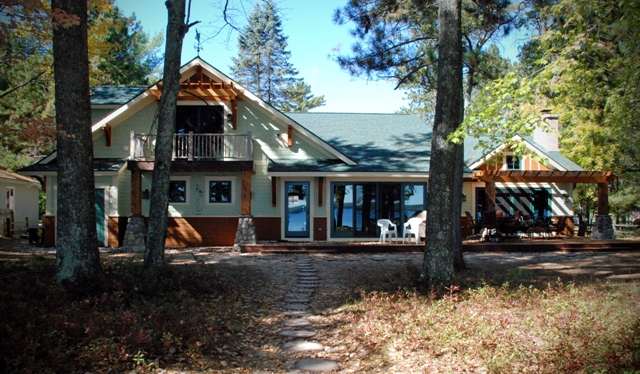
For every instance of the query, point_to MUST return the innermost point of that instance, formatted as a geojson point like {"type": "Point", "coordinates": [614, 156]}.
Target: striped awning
{"type": "Point", "coordinates": [544, 176]}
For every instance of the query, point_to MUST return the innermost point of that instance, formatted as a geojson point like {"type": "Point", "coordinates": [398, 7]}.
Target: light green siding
{"type": "Point", "coordinates": [140, 122]}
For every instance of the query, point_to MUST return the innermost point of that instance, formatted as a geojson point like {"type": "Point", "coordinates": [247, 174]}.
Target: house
{"type": "Point", "coordinates": [21, 203]}
{"type": "Point", "coordinates": [243, 171]}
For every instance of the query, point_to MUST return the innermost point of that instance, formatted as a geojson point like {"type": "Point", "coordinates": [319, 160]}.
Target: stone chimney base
{"type": "Point", "coordinates": [603, 228]}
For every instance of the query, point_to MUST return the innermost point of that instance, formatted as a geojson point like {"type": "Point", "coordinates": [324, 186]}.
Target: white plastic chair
{"type": "Point", "coordinates": [387, 228]}
{"type": "Point", "coordinates": [412, 227]}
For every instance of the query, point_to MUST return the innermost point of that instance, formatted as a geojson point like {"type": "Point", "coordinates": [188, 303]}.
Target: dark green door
{"type": "Point", "coordinates": [99, 192]}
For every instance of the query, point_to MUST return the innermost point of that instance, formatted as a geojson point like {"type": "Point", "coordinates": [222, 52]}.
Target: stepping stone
{"type": "Point", "coordinates": [309, 279]}
{"type": "Point", "coordinates": [307, 284]}
{"type": "Point", "coordinates": [299, 300]}
{"type": "Point", "coordinates": [378, 258]}
{"type": "Point", "coordinates": [302, 346]}
{"type": "Point", "coordinates": [296, 306]}
{"type": "Point", "coordinates": [298, 322]}
{"type": "Point", "coordinates": [297, 313]}
{"type": "Point", "coordinates": [298, 294]}
{"type": "Point", "coordinates": [403, 259]}
{"type": "Point", "coordinates": [297, 333]}
{"type": "Point", "coordinates": [316, 365]}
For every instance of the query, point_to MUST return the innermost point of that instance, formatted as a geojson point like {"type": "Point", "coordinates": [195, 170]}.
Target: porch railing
{"type": "Point", "coordinates": [196, 147]}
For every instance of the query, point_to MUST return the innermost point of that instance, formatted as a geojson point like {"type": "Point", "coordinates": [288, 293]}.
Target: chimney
{"type": "Point", "coordinates": [549, 140]}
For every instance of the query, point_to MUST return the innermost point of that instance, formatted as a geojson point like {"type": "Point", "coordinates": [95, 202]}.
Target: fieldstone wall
{"type": "Point", "coordinates": [135, 236]}
{"type": "Point", "coordinates": [603, 228]}
{"type": "Point", "coordinates": [246, 233]}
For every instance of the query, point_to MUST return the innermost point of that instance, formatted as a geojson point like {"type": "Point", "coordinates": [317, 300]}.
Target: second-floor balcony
{"type": "Point", "coordinates": [195, 147]}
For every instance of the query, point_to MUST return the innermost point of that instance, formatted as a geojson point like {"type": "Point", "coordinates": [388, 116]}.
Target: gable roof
{"type": "Point", "coordinates": [115, 95]}
{"type": "Point", "coordinates": [8, 176]}
{"type": "Point", "coordinates": [475, 156]}
{"type": "Point", "coordinates": [376, 142]}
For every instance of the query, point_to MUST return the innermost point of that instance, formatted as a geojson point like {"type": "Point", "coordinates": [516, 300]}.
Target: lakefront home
{"type": "Point", "coordinates": [243, 171]}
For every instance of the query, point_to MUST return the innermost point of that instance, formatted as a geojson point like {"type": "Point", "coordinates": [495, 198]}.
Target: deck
{"type": "Point", "coordinates": [524, 245]}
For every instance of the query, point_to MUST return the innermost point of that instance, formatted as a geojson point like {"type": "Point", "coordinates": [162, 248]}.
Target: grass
{"type": "Point", "coordinates": [212, 318]}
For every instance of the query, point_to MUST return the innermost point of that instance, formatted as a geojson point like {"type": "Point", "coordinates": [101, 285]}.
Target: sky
{"type": "Point", "coordinates": [313, 38]}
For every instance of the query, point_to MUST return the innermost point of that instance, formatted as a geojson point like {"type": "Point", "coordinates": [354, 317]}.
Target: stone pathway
{"type": "Point", "coordinates": [297, 309]}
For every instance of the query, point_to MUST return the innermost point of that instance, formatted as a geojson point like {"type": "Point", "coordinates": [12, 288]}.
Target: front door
{"type": "Point", "coordinates": [296, 215]}
{"type": "Point", "coordinates": [100, 225]}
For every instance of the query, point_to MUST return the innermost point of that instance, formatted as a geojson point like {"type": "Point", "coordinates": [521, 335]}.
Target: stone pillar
{"type": "Point", "coordinates": [603, 228]}
{"type": "Point", "coordinates": [135, 236]}
{"type": "Point", "coordinates": [246, 233]}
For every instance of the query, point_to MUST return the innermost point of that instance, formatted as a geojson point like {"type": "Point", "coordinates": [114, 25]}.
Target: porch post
{"type": "Point", "coordinates": [136, 192]}
{"type": "Point", "coordinates": [603, 225]}
{"type": "Point", "coordinates": [490, 195]}
{"type": "Point", "coordinates": [246, 193]}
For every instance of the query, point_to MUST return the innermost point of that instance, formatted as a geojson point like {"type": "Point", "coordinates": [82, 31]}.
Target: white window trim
{"type": "Point", "coordinates": [221, 179]}
{"type": "Point", "coordinates": [520, 161]}
{"type": "Point", "coordinates": [187, 179]}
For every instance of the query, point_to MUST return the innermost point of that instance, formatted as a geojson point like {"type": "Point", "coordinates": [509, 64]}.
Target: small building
{"type": "Point", "coordinates": [243, 171]}
{"type": "Point", "coordinates": [21, 202]}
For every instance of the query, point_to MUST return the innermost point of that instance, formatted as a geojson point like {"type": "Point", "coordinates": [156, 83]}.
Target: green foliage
{"type": "Point", "coordinates": [263, 66]}
{"type": "Point", "coordinates": [119, 53]}
{"type": "Point", "coordinates": [298, 98]}
{"type": "Point", "coordinates": [132, 56]}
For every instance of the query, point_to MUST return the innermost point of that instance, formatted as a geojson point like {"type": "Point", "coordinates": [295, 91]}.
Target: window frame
{"type": "Point", "coordinates": [187, 181]}
{"type": "Point", "coordinates": [508, 165]}
{"type": "Point", "coordinates": [232, 197]}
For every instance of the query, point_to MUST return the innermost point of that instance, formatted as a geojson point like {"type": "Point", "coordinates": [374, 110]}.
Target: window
{"type": "Point", "coordinates": [200, 119]}
{"type": "Point", "coordinates": [178, 191]}
{"type": "Point", "coordinates": [219, 191]}
{"type": "Point", "coordinates": [513, 162]}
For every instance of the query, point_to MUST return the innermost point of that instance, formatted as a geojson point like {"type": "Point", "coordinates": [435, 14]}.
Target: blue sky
{"type": "Point", "coordinates": [313, 37]}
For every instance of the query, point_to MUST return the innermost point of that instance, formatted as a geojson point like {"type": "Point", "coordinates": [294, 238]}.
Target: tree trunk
{"type": "Point", "coordinates": [77, 256]}
{"type": "Point", "coordinates": [438, 265]}
{"type": "Point", "coordinates": [156, 233]}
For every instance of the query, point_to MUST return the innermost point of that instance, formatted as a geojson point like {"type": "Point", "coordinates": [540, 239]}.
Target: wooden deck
{"type": "Point", "coordinates": [524, 245]}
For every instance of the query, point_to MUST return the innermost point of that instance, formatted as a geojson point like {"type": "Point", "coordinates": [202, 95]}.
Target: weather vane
{"type": "Point", "coordinates": [198, 45]}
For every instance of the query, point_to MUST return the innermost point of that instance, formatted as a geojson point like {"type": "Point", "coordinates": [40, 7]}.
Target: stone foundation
{"type": "Point", "coordinates": [135, 236]}
{"type": "Point", "coordinates": [603, 228]}
{"type": "Point", "coordinates": [246, 233]}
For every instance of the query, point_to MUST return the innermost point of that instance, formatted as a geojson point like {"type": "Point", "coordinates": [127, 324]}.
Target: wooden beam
{"type": "Point", "coordinates": [234, 113]}
{"type": "Point", "coordinates": [603, 199]}
{"type": "Point", "coordinates": [107, 133]}
{"type": "Point", "coordinates": [274, 191]}
{"type": "Point", "coordinates": [196, 166]}
{"type": "Point", "coordinates": [246, 193]}
{"type": "Point", "coordinates": [544, 176]}
{"type": "Point", "coordinates": [136, 192]}
{"type": "Point", "coordinates": [289, 136]}
{"type": "Point", "coordinates": [320, 190]}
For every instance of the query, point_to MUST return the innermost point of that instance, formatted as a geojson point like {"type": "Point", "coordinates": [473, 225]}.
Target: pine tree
{"type": "Point", "coordinates": [300, 99]}
{"type": "Point", "coordinates": [262, 65]}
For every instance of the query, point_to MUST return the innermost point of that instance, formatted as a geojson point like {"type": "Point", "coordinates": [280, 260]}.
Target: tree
{"type": "Point", "coordinates": [77, 255]}
{"type": "Point", "coordinates": [583, 66]}
{"type": "Point", "coordinates": [438, 267]}
{"type": "Point", "coordinates": [131, 57]}
{"type": "Point", "coordinates": [398, 40]}
{"type": "Point", "coordinates": [27, 128]}
{"type": "Point", "coordinates": [298, 98]}
{"type": "Point", "coordinates": [263, 66]}
{"type": "Point", "coordinates": [156, 234]}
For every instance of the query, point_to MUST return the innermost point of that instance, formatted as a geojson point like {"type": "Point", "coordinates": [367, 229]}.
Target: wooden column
{"type": "Point", "coordinates": [234, 113]}
{"type": "Point", "coordinates": [136, 192]}
{"type": "Point", "coordinates": [490, 196]}
{"type": "Point", "coordinates": [603, 199]}
{"type": "Point", "coordinates": [246, 193]}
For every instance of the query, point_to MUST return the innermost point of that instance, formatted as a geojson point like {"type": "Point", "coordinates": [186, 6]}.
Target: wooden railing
{"type": "Point", "coordinates": [196, 147]}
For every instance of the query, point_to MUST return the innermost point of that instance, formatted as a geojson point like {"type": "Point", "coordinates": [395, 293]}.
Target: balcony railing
{"type": "Point", "coordinates": [196, 147]}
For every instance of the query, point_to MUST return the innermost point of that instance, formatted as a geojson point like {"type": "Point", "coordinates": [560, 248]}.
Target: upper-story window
{"type": "Point", "coordinates": [200, 119]}
{"type": "Point", "coordinates": [513, 162]}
